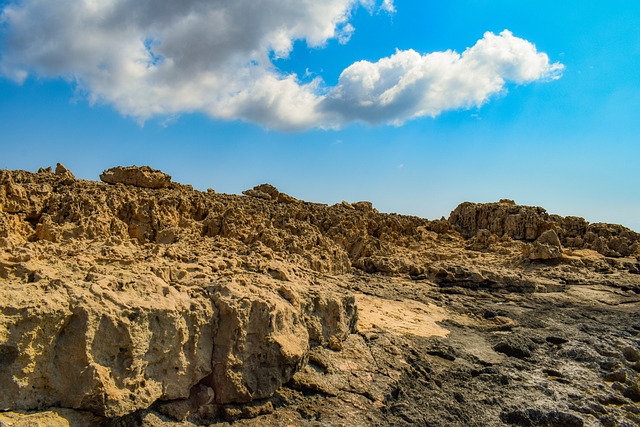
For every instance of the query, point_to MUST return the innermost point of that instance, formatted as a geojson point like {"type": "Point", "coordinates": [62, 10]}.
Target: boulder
{"type": "Point", "coordinates": [104, 346]}
{"type": "Point", "coordinates": [546, 247]}
{"type": "Point", "coordinates": [63, 172]}
{"type": "Point", "coordinates": [142, 176]}
{"type": "Point", "coordinates": [113, 346]}
{"type": "Point", "coordinates": [504, 219]}
{"type": "Point", "coordinates": [528, 223]}
{"type": "Point", "coordinates": [269, 192]}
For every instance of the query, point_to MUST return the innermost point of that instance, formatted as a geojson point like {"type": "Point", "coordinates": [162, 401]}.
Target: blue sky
{"type": "Point", "coordinates": [565, 139]}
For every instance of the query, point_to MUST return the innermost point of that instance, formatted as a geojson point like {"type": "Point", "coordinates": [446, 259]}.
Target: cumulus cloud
{"type": "Point", "coordinates": [388, 6]}
{"type": "Point", "coordinates": [165, 58]}
{"type": "Point", "coordinates": [408, 85]}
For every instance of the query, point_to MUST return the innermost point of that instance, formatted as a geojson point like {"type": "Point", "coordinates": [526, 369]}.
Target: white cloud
{"type": "Point", "coordinates": [407, 84]}
{"type": "Point", "coordinates": [388, 6]}
{"type": "Point", "coordinates": [164, 58]}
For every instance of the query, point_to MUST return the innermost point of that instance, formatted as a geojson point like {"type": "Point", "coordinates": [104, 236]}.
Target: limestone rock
{"type": "Point", "coordinates": [13, 197]}
{"type": "Point", "coordinates": [270, 329]}
{"type": "Point", "coordinates": [63, 172]}
{"type": "Point", "coordinates": [54, 417]}
{"type": "Point", "coordinates": [143, 176]}
{"type": "Point", "coordinates": [108, 346]}
{"type": "Point", "coordinates": [264, 337]}
{"type": "Point", "coordinates": [269, 192]}
{"type": "Point", "coordinates": [546, 247]}
{"type": "Point", "coordinates": [123, 300]}
{"type": "Point", "coordinates": [505, 219]}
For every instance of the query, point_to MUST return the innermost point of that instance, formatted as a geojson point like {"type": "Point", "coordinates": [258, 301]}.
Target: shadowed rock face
{"type": "Point", "coordinates": [122, 302]}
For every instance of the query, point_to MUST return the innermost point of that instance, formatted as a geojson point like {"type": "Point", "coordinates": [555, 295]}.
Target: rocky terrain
{"type": "Point", "coordinates": [137, 301]}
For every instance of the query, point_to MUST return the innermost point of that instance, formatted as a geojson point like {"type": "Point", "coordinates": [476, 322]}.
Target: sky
{"type": "Point", "coordinates": [415, 106]}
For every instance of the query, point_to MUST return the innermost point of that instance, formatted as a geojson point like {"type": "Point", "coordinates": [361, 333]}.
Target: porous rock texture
{"type": "Point", "coordinates": [143, 176]}
{"type": "Point", "coordinates": [528, 223]}
{"type": "Point", "coordinates": [150, 303]}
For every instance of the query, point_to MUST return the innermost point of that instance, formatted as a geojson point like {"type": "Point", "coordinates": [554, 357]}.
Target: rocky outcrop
{"type": "Point", "coordinates": [504, 219]}
{"type": "Point", "coordinates": [130, 303]}
{"type": "Point", "coordinates": [104, 345]}
{"type": "Point", "coordinates": [119, 338]}
{"type": "Point", "coordinates": [328, 239]}
{"type": "Point", "coordinates": [269, 192]}
{"type": "Point", "coordinates": [116, 345]}
{"type": "Point", "coordinates": [528, 223]}
{"type": "Point", "coordinates": [546, 247]}
{"type": "Point", "coordinates": [143, 177]}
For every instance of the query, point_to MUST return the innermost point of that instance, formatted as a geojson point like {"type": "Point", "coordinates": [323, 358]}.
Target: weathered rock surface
{"type": "Point", "coordinates": [153, 304]}
{"type": "Point", "coordinates": [106, 345]}
{"type": "Point", "coordinates": [143, 176]}
{"type": "Point", "coordinates": [269, 192]}
{"type": "Point", "coordinates": [547, 246]}
{"type": "Point", "coordinates": [528, 223]}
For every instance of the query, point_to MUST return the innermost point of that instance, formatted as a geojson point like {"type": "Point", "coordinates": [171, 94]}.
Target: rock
{"type": "Point", "coordinates": [528, 223]}
{"type": "Point", "coordinates": [515, 346]}
{"type": "Point", "coordinates": [546, 247]}
{"type": "Point", "coordinates": [53, 417]}
{"type": "Point", "coordinates": [616, 376]}
{"type": "Point", "coordinates": [633, 391]}
{"type": "Point", "coordinates": [13, 197]}
{"type": "Point", "coordinates": [556, 340]}
{"type": "Point", "coordinates": [105, 346]}
{"type": "Point", "coordinates": [143, 176]}
{"type": "Point", "coordinates": [64, 172]}
{"type": "Point", "coordinates": [504, 218]}
{"type": "Point", "coordinates": [363, 206]}
{"type": "Point", "coordinates": [269, 192]}
{"type": "Point", "coordinates": [262, 341]}
{"type": "Point", "coordinates": [550, 238]}
{"type": "Point", "coordinates": [541, 417]}
{"type": "Point", "coordinates": [631, 354]}
{"type": "Point", "coordinates": [467, 276]}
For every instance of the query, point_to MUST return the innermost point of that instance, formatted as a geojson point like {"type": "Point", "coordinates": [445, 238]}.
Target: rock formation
{"type": "Point", "coordinates": [144, 177]}
{"type": "Point", "coordinates": [528, 223]}
{"type": "Point", "coordinates": [137, 301]}
{"type": "Point", "coordinates": [547, 246]}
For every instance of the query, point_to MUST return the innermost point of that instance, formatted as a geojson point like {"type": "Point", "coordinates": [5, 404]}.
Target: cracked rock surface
{"type": "Point", "coordinates": [142, 302]}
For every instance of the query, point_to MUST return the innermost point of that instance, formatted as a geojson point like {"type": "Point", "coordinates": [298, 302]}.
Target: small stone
{"type": "Point", "coordinates": [546, 247]}
{"type": "Point", "coordinates": [515, 346]}
{"type": "Point", "coordinates": [631, 354]}
{"type": "Point", "coordinates": [633, 392]}
{"type": "Point", "coordinates": [556, 340]}
{"type": "Point", "coordinates": [335, 344]}
{"type": "Point", "coordinates": [269, 192]}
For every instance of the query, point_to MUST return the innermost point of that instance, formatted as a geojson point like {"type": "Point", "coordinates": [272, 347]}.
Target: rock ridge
{"type": "Point", "coordinates": [138, 298]}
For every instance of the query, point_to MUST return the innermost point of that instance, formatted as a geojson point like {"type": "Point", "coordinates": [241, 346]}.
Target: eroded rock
{"type": "Point", "coordinates": [63, 172]}
{"type": "Point", "coordinates": [269, 192]}
{"type": "Point", "coordinates": [506, 219]}
{"type": "Point", "coordinates": [124, 300]}
{"type": "Point", "coordinates": [143, 176]}
{"type": "Point", "coordinates": [546, 247]}
{"type": "Point", "coordinates": [106, 346]}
